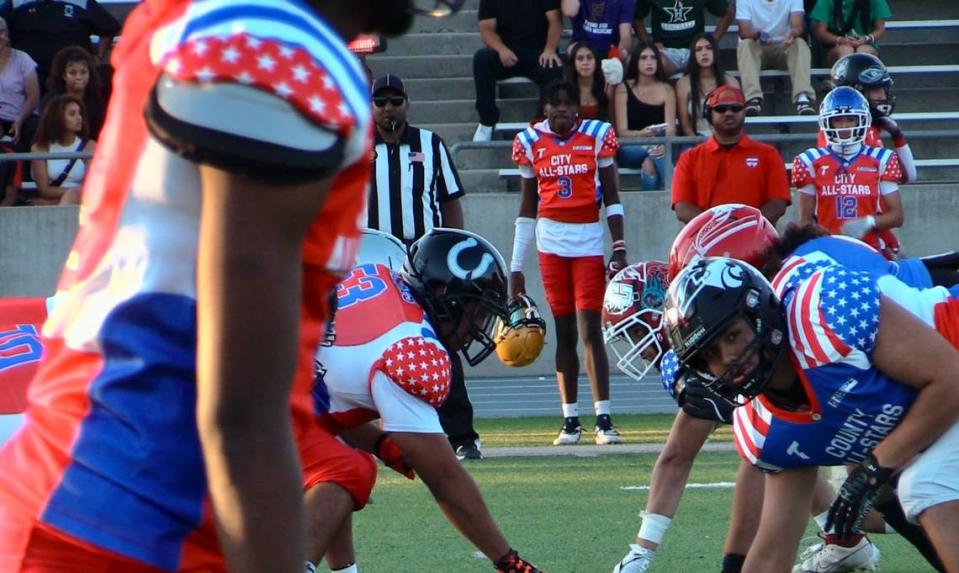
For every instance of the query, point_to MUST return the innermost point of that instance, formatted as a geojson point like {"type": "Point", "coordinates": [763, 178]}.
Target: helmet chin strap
{"type": "Point", "coordinates": [846, 150]}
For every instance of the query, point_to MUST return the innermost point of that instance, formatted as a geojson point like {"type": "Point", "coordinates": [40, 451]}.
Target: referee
{"type": "Point", "coordinates": [415, 187]}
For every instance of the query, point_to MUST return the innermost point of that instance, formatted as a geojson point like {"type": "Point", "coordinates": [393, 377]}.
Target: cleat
{"type": "Point", "coordinates": [468, 452]}
{"type": "Point", "coordinates": [831, 558]}
{"type": "Point", "coordinates": [570, 433]}
{"type": "Point", "coordinates": [637, 560]}
{"type": "Point", "coordinates": [606, 432]}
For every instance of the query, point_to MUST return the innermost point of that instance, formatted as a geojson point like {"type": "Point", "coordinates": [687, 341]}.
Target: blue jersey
{"type": "Point", "coordinates": [832, 316]}
{"type": "Point", "coordinates": [858, 256]}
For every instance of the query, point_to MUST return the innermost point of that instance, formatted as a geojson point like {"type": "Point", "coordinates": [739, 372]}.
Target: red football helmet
{"type": "Point", "coordinates": [633, 317]}
{"type": "Point", "coordinates": [733, 230]}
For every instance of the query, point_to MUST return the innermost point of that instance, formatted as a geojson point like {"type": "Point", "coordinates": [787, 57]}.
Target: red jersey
{"type": "Point", "coordinates": [20, 349]}
{"type": "Point", "coordinates": [567, 170]}
{"type": "Point", "coordinates": [109, 455]}
{"type": "Point", "coordinates": [847, 189]}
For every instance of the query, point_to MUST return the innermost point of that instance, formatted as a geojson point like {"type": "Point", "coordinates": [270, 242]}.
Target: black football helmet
{"type": "Point", "coordinates": [862, 72]}
{"type": "Point", "coordinates": [703, 300]}
{"type": "Point", "coordinates": [456, 274]}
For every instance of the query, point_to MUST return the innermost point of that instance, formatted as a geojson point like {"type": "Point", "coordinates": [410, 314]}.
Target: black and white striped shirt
{"type": "Point", "coordinates": [410, 181]}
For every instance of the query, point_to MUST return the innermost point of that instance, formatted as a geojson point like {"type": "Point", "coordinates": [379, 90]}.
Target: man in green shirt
{"type": "Point", "coordinates": [849, 26]}
{"type": "Point", "coordinates": [675, 22]}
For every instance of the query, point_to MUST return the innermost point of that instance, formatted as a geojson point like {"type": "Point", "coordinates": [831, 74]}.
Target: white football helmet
{"type": "Point", "coordinates": [633, 317]}
{"type": "Point", "coordinates": [382, 249]}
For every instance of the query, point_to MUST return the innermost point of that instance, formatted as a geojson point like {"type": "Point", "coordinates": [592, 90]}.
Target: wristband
{"type": "Point", "coordinates": [614, 209]}
{"type": "Point", "coordinates": [619, 246]}
{"type": "Point", "coordinates": [869, 38]}
{"type": "Point", "coordinates": [521, 240]}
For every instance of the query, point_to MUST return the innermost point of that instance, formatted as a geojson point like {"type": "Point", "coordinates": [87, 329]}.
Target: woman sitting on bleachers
{"type": "Point", "coordinates": [644, 106]}
{"type": "Point", "coordinates": [704, 73]}
{"type": "Point", "coordinates": [74, 72]}
{"type": "Point", "coordinates": [583, 70]}
{"type": "Point", "coordinates": [62, 129]}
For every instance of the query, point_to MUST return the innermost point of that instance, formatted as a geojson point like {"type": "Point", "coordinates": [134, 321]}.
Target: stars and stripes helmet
{"type": "Point", "coordinates": [844, 101]}
{"type": "Point", "coordinates": [455, 274]}
{"type": "Point", "coordinates": [633, 317]}
{"type": "Point", "coordinates": [703, 300]}
{"type": "Point", "coordinates": [863, 72]}
{"type": "Point", "coordinates": [732, 230]}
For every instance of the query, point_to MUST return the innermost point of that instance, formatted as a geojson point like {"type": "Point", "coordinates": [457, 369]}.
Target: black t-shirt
{"type": "Point", "coordinates": [521, 24]}
{"type": "Point", "coordinates": [41, 27]}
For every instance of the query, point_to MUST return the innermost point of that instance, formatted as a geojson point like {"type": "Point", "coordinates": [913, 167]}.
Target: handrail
{"type": "Point", "coordinates": [29, 156]}
{"type": "Point", "coordinates": [668, 142]}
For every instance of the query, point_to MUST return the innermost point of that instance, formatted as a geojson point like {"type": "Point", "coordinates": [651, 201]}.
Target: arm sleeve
{"type": "Point", "coordinates": [609, 144]}
{"type": "Point", "coordinates": [627, 12]}
{"type": "Point", "coordinates": [642, 9]}
{"type": "Point", "coordinates": [487, 10]}
{"type": "Point", "coordinates": [448, 183]}
{"type": "Point", "coordinates": [401, 412]}
{"type": "Point", "coordinates": [742, 11]}
{"type": "Point", "coordinates": [891, 169]}
{"type": "Point", "coordinates": [683, 187]}
{"type": "Point", "coordinates": [257, 106]}
{"type": "Point", "coordinates": [880, 10]}
{"type": "Point", "coordinates": [907, 163]}
{"type": "Point", "coordinates": [717, 7]}
{"type": "Point", "coordinates": [521, 153]}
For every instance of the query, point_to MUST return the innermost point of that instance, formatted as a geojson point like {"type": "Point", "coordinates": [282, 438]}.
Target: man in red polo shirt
{"type": "Point", "coordinates": [729, 167]}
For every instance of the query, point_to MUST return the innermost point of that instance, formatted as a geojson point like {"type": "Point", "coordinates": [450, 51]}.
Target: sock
{"type": "Point", "coordinates": [351, 568]}
{"type": "Point", "coordinates": [733, 562]}
{"type": "Point", "coordinates": [601, 407]}
{"type": "Point", "coordinates": [571, 410]}
{"type": "Point", "coordinates": [850, 541]}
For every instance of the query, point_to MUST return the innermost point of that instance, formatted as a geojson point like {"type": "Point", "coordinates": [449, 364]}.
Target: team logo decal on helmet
{"type": "Point", "coordinates": [864, 72]}
{"type": "Point", "coordinates": [452, 260]}
{"type": "Point", "coordinates": [632, 317]}
{"type": "Point", "coordinates": [703, 301]}
{"type": "Point", "coordinates": [520, 337]}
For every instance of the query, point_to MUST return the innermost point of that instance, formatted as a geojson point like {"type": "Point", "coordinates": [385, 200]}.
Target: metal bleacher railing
{"type": "Point", "coordinates": [669, 142]}
{"type": "Point", "coordinates": [6, 157]}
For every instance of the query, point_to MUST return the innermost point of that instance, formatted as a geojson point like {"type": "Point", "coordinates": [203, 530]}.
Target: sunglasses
{"type": "Point", "coordinates": [381, 101]}
{"type": "Point", "coordinates": [725, 108]}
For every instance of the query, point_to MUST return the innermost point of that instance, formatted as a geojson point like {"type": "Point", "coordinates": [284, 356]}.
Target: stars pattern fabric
{"type": "Point", "coordinates": [610, 145]}
{"type": "Point", "coordinates": [669, 368]}
{"type": "Point", "coordinates": [290, 73]}
{"type": "Point", "coordinates": [832, 314]}
{"type": "Point", "coordinates": [420, 367]}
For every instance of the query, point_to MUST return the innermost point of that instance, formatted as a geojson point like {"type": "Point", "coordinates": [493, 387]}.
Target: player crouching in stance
{"type": "Point", "coordinates": [390, 360]}
{"type": "Point", "coordinates": [828, 381]}
{"type": "Point", "coordinates": [568, 170]}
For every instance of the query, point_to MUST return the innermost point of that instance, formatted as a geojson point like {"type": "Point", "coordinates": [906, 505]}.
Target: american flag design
{"type": "Point", "coordinates": [419, 367]}
{"type": "Point", "coordinates": [669, 368]}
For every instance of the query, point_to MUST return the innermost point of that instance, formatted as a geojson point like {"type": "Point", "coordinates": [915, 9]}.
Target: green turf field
{"type": "Point", "coordinates": [566, 513]}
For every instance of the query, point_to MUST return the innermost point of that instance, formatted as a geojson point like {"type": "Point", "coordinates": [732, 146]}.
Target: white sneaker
{"type": "Point", "coordinates": [570, 433]}
{"type": "Point", "coordinates": [831, 558]}
{"type": "Point", "coordinates": [483, 133]}
{"type": "Point", "coordinates": [637, 560]}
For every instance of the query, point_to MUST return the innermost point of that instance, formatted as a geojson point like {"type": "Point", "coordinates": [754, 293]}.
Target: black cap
{"type": "Point", "coordinates": [388, 81]}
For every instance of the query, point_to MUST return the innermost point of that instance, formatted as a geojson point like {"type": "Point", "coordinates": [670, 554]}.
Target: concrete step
{"type": "Point", "coordinates": [462, 21]}
{"type": "Point", "coordinates": [463, 111]}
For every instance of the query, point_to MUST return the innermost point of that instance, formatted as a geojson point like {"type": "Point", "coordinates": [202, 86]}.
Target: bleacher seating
{"type": "Point", "coordinates": [921, 49]}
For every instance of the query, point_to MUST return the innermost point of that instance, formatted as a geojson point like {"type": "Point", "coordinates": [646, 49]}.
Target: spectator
{"type": "Point", "coordinates": [19, 88]}
{"type": "Point", "coordinates": [841, 185]}
{"type": "Point", "coordinates": [521, 40]}
{"type": "Point", "coordinates": [62, 129]}
{"type": "Point", "coordinates": [770, 36]}
{"type": "Point", "coordinates": [704, 73]}
{"type": "Point", "coordinates": [415, 187]}
{"type": "Point", "coordinates": [594, 93]}
{"type": "Point", "coordinates": [645, 106]}
{"type": "Point", "coordinates": [42, 27]}
{"type": "Point", "coordinates": [74, 72]}
{"type": "Point", "coordinates": [605, 24]}
{"type": "Point", "coordinates": [729, 167]}
{"type": "Point", "coordinates": [675, 25]}
{"type": "Point", "coordinates": [849, 26]}
{"type": "Point", "coordinates": [567, 171]}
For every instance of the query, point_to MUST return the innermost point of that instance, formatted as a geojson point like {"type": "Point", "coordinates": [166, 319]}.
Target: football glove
{"type": "Point", "coordinates": [857, 496]}
{"type": "Point", "coordinates": [391, 455]}
{"type": "Point", "coordinates": [700, 402]}
{"type": "Point", "coordinates": [889, 125]}
{"type": "Point", "coordinates": [513, 563]}
{"type": "Point", "coordinates": [857, 228]}
{"type": "Point", "coordinates": [612, 70]}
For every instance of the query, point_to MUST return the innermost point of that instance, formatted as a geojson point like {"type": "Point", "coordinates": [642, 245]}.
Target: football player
{"type": "Point", "coordinates": [818, 356]}
{"type": "Point", "coordinates": [568, 171]}
{"type": "Point", "coordinates": [841, 184]}
{"type": "Point", "coordinates": [390, 361]}
{"type": "Point", "coordinates": [20, 351]}
{"type": "Point", "coordinates": [221, 208]}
